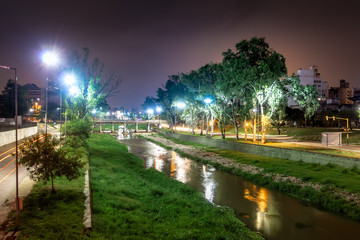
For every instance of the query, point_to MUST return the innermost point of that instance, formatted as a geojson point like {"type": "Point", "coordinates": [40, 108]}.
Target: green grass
{"type": "Point", "coordinates": [57, 215]}
{"type": "Point", "coordinates": [130, 202]}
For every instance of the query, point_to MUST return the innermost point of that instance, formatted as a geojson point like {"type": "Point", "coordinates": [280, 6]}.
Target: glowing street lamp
{"type": "Point", "coordinates": [208, 101]}
{"type": "Point", "coordinates": [150, 111]}
{"type": "Point", "coordinates": [158, 110]}
{"type": "Point", "coordinates": [179, 105]}
{"type": "Point", "coordinates": [16, 145]}
{"type": "Point", "coordinates": [68, 79]}
{"type": "Point", "coordinates": [49, 58]}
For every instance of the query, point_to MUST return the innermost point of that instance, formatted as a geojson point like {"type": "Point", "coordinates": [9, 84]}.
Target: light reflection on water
{"type": "Point", "coordinates": [274, 214]}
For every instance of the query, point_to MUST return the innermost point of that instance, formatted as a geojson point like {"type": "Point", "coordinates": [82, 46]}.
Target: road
{"type": "Point", "coordinates": [7, 171]}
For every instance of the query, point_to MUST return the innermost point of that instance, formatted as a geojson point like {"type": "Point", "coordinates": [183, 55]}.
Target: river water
{"type": "Point", "coordinates": [272, 214]}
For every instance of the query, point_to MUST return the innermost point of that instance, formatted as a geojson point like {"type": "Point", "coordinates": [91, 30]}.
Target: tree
{"type": "Point", "coordinates": [95, 86]}
{"type": "Point", "coordinates": [262, 69]}
{"type": "Point", "coordinates": [7, 100]}
{"type": "Point", "coordinates": [305, 96]}
{"type": "Point", "coordinates": [172, 91]}
{"type": "Point", "coordinates": [45, 161]}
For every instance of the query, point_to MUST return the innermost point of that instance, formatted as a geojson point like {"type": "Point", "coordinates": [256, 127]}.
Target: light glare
{"type": "Point", "coordinates": [69, 79]}
{"type": "Point", "coordinates": [150, 111]}
{"type": "Point", "coordinates": [50, 58]}
{"type": "Point", "coordinates": [74, 91]}
{"type": "Point", "coordinates": [180, 105]}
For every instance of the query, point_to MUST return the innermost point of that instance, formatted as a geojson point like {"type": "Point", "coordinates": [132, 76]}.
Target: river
{"type": "Point", "coordinates": [271, 213]}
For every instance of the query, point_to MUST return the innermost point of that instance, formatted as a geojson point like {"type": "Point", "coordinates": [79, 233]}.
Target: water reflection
{"type": "Point", "coordinates": [208, 182]}
{"type": "Point", "coordinates": [179, 168]}
{"type": "Point", "coordinates": [258, 196]}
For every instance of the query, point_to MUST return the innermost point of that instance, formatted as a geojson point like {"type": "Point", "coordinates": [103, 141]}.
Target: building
{"type": "Point", "coordinates": [342, 94]}
{"type": "Point", "coordinates": [36, 97]}
{"type": "Point", "coordinates": [311, 76]}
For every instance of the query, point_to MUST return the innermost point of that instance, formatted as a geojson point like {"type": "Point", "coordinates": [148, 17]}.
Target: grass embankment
{"type": "Point", "coordinates": [334, 178]}
{"type": "Point", "coordinates": [132, 202]}
{"type": "Point", "coordinates": [57, 215]}
{"type": "Point", "coordinates": [316, 132]}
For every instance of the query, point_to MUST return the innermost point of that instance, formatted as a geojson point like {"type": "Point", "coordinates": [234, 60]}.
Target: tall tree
{"type": "Point", "coordinates": [94, 84]}
{"type": "Point", "coordinates": [261, 69]}
{"type": "Point", "coordinates": [7, 100]}
{"type": "Point", "coordinates": [306, 96]}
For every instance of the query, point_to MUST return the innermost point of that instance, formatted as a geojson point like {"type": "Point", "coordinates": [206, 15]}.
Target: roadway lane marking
{"type": "Point", "coordinates": [3, 179]}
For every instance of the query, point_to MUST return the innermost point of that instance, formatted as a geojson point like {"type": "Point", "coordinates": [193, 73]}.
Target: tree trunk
{"type": "Point", "coordinates": [212, 124]}
{"type": "Point", "coordinates": [207, 125]}
{"type": "Point", "coordinates": [224, 124]}
{"type": "Point", "coordinates": [52, 184]}
{"type": "Point", "coordinates": [263, 130]}
{"type": "Point", "coordinates": [254, 130]}
{"type": "Point", "coordinates": [202, 124]}
{"type": "Point", "coordinates": [192, 121]}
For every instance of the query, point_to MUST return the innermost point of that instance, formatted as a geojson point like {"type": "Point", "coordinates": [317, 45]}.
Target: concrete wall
{"type": "Point", "coordinates": [9, 136]}
{"type": "Point", "coordinates": [294, 155]}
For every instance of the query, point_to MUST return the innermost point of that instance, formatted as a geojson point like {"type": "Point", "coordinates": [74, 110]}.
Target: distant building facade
{"type": "Point", "coordinates": [311, 76]}
{"type": "Point", "coordinates": [342, 94]}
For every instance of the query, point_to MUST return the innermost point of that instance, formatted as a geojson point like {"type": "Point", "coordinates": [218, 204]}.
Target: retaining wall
{"type": "Point", "coordinates": [7, 137]}
{"type": "Point", "coordinates": [290, 154]}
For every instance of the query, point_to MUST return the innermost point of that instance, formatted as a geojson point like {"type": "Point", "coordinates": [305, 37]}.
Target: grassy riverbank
{"type": "Point", "coordinates": [56, 215]}
{"type": "Point", "coordinates": [337, 183]}
{"type": "Point", "coordinates": [132, 202]}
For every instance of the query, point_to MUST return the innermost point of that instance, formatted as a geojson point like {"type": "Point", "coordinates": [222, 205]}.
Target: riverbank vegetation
{"type": "Point", "coordinates": [133, 202]}
{"type": "Point", "coordinates": [295, 146]}
{"type": "Point", "coordinates": [330, 187]}
{"type": "Point", "coordinates": [49, 215]}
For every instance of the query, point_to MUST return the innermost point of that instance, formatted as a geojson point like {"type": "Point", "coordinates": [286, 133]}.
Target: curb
{"type": "Point", "coordinates": [87, 220]}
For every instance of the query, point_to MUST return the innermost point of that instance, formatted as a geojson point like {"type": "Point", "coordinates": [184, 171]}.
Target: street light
{"type": "Point", "coordinates": [69, 79]}
{"type": "Point", "coordinates": [16, 144]}
{"type": "Point", "coordinates": [159, 110]}
{"type": "Point", "coordinates": [179, 105]}
{"type": "Point", "coordinates": [49, 58]}
{"type": "Point", "coordinates": [208, 101]}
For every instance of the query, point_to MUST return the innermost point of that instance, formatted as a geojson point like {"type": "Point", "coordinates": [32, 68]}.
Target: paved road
{"type": "Point", "coordinates": [7, 171]}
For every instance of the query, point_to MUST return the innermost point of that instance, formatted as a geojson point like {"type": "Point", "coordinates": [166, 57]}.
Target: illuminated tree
{"type": "Point", "coordinates": [260, 69]}
{"type": "Point", "coordinates": [305, 96]}
{"type": "Point", "coordinates": [95, 86]}
{"type": "Point", "coordinates": [7, 100]}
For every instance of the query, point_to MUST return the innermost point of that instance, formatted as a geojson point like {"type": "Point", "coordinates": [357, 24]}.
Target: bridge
{"type": "Point", "coordinates": [114, 122]}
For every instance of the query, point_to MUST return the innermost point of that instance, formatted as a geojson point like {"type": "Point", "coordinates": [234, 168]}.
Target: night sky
{"type": "Point", "coordinates": [145, 41]}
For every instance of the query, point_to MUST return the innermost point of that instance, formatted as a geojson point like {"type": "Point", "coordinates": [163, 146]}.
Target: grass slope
{"type": "Point", "coordinates": [54, 216]}
{"type": "Point", "coordinates": [130, 202]}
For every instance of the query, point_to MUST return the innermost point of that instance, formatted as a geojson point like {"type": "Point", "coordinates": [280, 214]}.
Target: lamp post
{"type": "Point", "coordinates": [159, 110]}
{"type": "Point", "coordinates": [208, 101]}
{"type": "Point", "coordinates": [69, 79]}
{"type": "Point", "coordinates": [179, 105]}
{"type": "Point", "coordinates": [50, 59]}
{"type": "Point", "coordinates": [16, 145]}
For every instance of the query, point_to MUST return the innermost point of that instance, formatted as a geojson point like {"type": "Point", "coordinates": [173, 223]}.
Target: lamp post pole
{"type": "Point", "coordinates": [16, 145]}
{"type": "Point", "coordinates": [46, 101]}
{"type": "Point", "coordinates": [60, 114]}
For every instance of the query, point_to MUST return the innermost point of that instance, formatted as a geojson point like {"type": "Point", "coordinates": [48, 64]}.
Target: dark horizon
{"type": "Point", "coordinates": [147, 41]}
